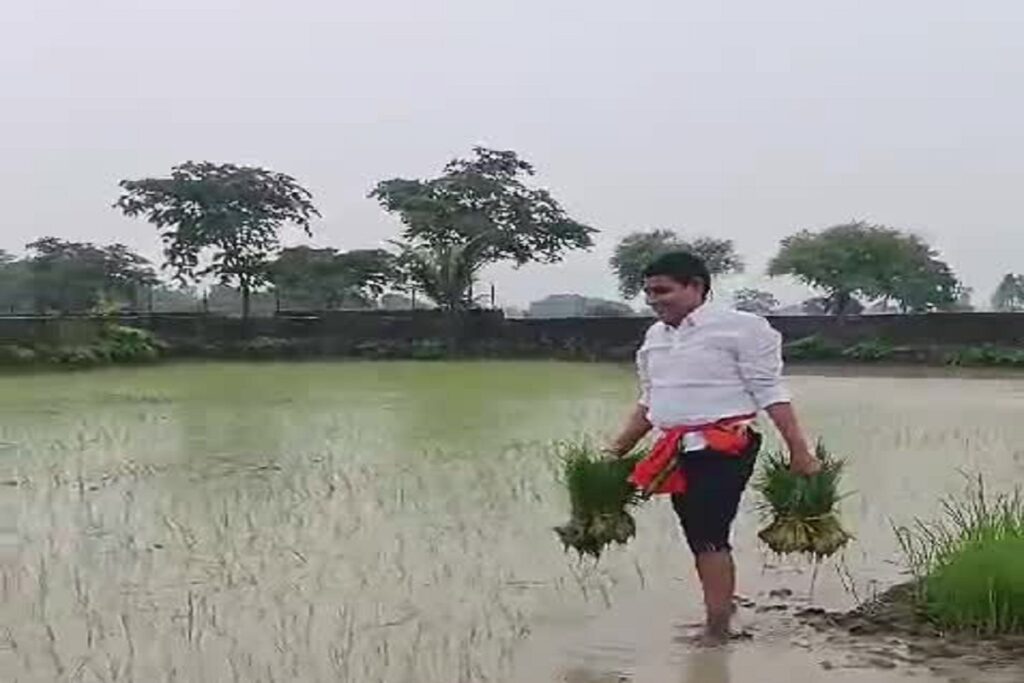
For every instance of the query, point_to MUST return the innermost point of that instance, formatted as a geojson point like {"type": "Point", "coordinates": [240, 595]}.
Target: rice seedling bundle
{"type": "Point", "coordinates": [802, 510]}
{"type": "Point", "coordinates": [600, 499]}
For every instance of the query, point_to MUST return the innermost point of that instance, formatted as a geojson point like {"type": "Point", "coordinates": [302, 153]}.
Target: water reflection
{"type": "Point", "coordinates": [707, 665]}
{"type": "Point", "coordinates": [704, 665]}
{"type": "Point", "coordinates": [588, 676]}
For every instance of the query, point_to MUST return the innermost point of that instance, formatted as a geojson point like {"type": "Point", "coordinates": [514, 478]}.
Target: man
{"type": "Point", "coordinates": [705, 373]}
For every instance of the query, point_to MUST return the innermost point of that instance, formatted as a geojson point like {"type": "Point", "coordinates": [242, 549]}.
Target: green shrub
{"type": "Point", "coordinates": [869, 350]}
{"type": "Point", "coordinates": [76, 356]}
{"type": "Point", "coordinates": [813, 347]}
{"type": "Point", "coordinates": [121, 344]}
{"type": "Point", "coordinates": [377, 350]}
{"type": "Point", "coordinates": [428, 349]}
{"type": "Point", "coordinates": [987, 355]}
{"type": "Point", "coordinates": [970, 564]}
{"type": "Point", "coordinates": [266, 347]}
{"type": "Point", "coordinates": [13, 354]}
{"type": "Point", "coordinates": [115, 344]}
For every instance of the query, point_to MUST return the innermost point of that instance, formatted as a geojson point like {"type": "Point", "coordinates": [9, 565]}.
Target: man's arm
{"type": "Point", "coordinates": [760, 363]}
{"type": "Point", "coordinates": [637, 425]}
{"type": "Point", "coordinates": [636, 428]}
{"type": "Point", "coordinates": [801, 459]}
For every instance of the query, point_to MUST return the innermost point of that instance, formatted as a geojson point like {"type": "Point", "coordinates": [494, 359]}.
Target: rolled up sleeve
{"type": "Point", "coordinates": [644, 378]}
{"type": "Point", "coordinates": [760, 364]}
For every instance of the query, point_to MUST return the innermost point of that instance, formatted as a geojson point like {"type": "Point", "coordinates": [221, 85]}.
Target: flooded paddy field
{"type": "Point", "coordinates": [392, 522]}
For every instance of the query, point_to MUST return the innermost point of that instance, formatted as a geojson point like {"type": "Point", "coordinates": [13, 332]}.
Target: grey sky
{"type": "Point", "coordinates": [746, 119]}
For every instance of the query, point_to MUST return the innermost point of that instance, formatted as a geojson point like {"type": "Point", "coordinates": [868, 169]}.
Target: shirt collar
{"type": "Point", "coordinates": [696, 318]}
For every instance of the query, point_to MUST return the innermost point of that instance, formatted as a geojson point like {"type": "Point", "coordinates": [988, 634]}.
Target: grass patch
{"type": "Point", "coordinates": [969, 564]}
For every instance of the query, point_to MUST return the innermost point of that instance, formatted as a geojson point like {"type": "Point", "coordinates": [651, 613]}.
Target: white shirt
{"type": "Point", "coordinates": [717, 363]}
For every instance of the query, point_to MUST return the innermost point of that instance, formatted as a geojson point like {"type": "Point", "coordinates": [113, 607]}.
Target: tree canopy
{"type": "Point", "coordinates": [232, 214]}
{"type": "Point", "coordinates": [15, 287]}
{"type": "Point", "coordinates": [76, 276]}
{"type": "Point", "coordinates": [327, 278]}
{"type": "Point", "coordinates": [637, 250]}
{"type": "Point", "coordinates": [1009, 295]}
{"type": "Point", "coordinates": [873, 262]}
{"type": "Point", "coordinates": [755, 301]}
{"type": "Point", "coordinates": [444, 273]}
{"type": "Point", "coordinates": [478, 211]}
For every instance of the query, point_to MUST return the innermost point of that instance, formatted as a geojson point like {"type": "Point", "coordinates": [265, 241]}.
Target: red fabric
{"type": "Point", "coordinates": [729, 437]}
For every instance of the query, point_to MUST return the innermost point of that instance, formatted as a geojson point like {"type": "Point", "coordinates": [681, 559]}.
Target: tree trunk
{"type": "Point", "coordinates": [454, 331]}
{"type": "Point", "coordinates": [246, 300]}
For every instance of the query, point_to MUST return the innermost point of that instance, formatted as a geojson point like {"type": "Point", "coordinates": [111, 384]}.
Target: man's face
{"type": "Point", "coordinates": [671, 300]}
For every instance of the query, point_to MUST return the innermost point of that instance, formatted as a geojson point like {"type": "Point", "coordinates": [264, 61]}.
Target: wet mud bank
{"type": "Point", "coordinates": [895, 626]}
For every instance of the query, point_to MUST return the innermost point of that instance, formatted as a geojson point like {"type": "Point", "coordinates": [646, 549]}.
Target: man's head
{"type": "Point", "coordinates": [675, 285]}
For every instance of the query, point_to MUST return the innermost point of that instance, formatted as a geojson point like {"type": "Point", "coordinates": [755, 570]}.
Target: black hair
{"type": "Point", "coordinates": [683, 267]}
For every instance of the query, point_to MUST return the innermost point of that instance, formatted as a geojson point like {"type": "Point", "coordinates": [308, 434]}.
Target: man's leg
{"type": "Point", "coordinates": [717, 574]}
{"type": "Point", "coordinates": [715, 485]}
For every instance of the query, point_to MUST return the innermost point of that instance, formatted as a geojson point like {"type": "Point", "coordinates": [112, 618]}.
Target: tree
{"type": "Point", "coordinates": [637, 250]}
{"type": "Point", "coordinates": [327, 279]}
{"type": "Point", "coordinates": [961, 304]}
{"type": "Point", "coordinates": [396, 302]}
{"type": "Point", "coordinates": [77, 276]}
{"type": "Point", "coordinates": [371, 272]}
{"type": "Point", "coordinates": [477, 212]}
{"type": "Point", "coordinates": [1009, 295]}
{"type": "Point", "coordinates": [166, 299]}
{"type": "Point", "coordinates": [15, 290]}
{"type": "Point", "coordinates": [820, 305]}
{"type": "Point", "coordinates": [755, 301]}
{"type": "Point", "coordinates": [230, 214]}
{"type": "Point", "coordinates": [869, 261]}
{"type": "Point", "coordinates": [127, 274]}
{"type": "Point", "coordinates": [444, 273]}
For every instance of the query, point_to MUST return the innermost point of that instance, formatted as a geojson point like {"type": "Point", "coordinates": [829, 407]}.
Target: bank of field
{"type": "Point", "coordinates": [385, 522]}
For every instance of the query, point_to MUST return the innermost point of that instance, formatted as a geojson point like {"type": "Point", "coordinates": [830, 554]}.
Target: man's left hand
{"type": "Point", "coordinates": [804, 462]}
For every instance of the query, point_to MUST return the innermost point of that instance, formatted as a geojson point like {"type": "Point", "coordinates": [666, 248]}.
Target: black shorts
{"type": "Point", "coordinates": [715, 484]}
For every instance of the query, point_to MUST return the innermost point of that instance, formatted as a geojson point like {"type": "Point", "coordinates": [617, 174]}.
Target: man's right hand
{"type": "Point", "coordinates": [636, 428]}
{"type": "Point", "coordinates": [614, 451]}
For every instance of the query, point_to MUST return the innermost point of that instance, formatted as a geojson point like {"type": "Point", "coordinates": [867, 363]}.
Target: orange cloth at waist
{"type": "Point", "coordinates": [657, 471]}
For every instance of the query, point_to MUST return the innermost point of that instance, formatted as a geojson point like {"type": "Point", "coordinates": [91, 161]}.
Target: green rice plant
{"type": "Point", "coordinates": [600, 495]}
{"type": "Point", "coordinates": [969, 565]}
{"type": "Point", "coordinates": [801, 511]}
{"type": "Point", "coordinates": [597, 483]}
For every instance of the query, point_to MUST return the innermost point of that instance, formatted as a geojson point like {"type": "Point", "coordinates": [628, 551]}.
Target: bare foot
{"type": "Point", "coordinates": [712, 638]}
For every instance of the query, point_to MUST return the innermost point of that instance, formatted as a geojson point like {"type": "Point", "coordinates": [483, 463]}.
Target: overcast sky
{"type": "Point", "coordinates": [745, 119]}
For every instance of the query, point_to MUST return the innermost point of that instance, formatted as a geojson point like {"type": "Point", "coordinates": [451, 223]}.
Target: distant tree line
{"type": "Point", "coordinates": [851, 265]}
{"type": "Point", "coordinates": [222, 224]}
